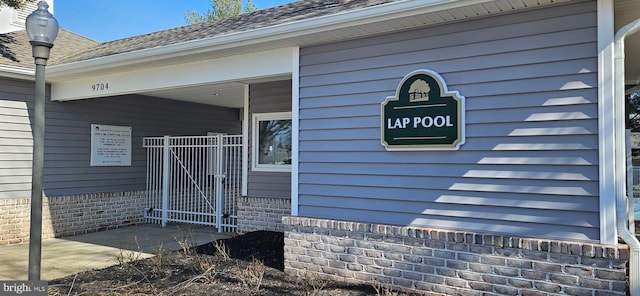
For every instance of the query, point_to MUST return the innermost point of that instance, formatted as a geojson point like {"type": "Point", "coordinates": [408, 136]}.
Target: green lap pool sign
{"type": "Point", "coordinates": [423, 115]}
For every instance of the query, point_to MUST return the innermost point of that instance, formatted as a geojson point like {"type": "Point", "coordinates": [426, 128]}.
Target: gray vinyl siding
{"type": "Point", "coordinates": [530, 163]}
{"type": "Point", "coordinates": [15, 138]}
{"type": "Point", "coordinates": [68, 140]}
{"type": "Point", "coordinates": [266, 98]}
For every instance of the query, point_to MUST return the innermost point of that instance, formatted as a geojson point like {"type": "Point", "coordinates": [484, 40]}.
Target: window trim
{"type": "Point", "coordinates": [256, 118]}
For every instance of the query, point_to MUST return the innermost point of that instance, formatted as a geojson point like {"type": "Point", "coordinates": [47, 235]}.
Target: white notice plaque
{"type": "Point", "coordinates": [110, 145]}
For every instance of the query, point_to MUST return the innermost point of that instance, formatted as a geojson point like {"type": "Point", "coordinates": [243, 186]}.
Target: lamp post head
{"type": "Point", "coordinates": [42, 29]}
{"type": "Point", "coordinates": [41, 25]}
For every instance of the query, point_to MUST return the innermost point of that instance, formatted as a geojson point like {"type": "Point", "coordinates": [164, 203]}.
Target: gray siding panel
{"type": "Point", "coordinates": [265, 98]}
{"type": "Point", "coordinates": [68, 141]}
{"type": "Point", "coordinates": [15, 138]}
{"type": "Point", "coordinates": [68, 138]}
{"type": "Point", "coordinates": [530, 162]}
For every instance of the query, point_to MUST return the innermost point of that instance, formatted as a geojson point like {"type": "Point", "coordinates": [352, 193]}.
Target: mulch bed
{"type": "Point", "coordinates": [202, 271]}
{"type": "Point", "coordinates": [267, 246]}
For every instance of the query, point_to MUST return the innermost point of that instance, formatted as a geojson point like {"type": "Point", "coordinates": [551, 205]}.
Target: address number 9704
{"type": "Point", "coordinates": [100, 86]}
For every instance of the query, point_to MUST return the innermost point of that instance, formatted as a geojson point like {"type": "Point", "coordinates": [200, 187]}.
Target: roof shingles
{"type": "Point", "coordinates": [15, 49]}
{"type": "Point", "coordinates": [299, 10]}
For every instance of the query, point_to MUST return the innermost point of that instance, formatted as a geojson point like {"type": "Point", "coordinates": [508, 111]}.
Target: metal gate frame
{"type": "Point", "coordinates": [194, 179]}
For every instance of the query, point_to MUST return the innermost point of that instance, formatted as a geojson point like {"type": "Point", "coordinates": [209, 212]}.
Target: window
{"type": "Point", "coordinates": [272, 142]}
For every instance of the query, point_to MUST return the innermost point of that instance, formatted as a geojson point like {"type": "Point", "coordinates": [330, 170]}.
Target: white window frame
{"type": "Point", "coordinates": [257, 117]}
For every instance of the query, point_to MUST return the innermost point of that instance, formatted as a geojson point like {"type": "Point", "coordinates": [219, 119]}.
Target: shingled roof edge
{"type": "Point", "coordinates": [384, 9]}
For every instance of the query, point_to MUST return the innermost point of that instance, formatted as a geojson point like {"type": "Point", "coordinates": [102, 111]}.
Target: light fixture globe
{"type": "Point", "coordinates": [42, 27]}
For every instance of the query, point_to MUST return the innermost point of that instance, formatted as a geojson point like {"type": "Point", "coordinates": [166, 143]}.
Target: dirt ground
{"type": "Point", "coordinates": [249, 264]}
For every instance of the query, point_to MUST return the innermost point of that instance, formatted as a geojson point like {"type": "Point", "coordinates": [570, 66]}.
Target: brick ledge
{"type": "Point", "coordinates": [379, 231]}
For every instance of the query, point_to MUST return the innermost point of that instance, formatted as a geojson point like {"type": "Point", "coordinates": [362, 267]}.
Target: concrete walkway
{"type": "Point", "coordinates": [68, 255]}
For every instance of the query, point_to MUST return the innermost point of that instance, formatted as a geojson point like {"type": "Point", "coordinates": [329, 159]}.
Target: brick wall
{"type": "Point", "coordinates": [14, 221]}
{"type": "Point", "coordinates": [262, 213]}
{"type": "Point", "coordinates": [70, 215]}
{"type": "Point", "coordinates": [438, 262]}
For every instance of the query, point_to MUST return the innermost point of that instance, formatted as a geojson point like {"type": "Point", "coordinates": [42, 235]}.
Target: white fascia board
{"type": "Point", "coordinates": [239, 67]}
{"type": "Point", "coordinates": [272, 33]}
{"type": "Point", "coordinates": [17, 72]}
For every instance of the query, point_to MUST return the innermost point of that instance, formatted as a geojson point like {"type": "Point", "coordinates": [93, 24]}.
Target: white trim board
{"type": "Point", "coordinates": [606, 141]}
{"type": "Point", "coordinates": [295, 128]}
{"type": "Point", "coordinates": [235, 68]}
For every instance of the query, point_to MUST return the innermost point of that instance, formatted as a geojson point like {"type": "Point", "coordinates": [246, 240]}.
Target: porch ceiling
{"type": "Point", "coordinates": [226, 94]}
{"type": "Point", "coordinates": [219, 94]}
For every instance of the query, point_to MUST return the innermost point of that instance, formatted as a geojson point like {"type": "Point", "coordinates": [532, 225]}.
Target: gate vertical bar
{"type": "Point", "coordinates": [219, 179]}
{"type": "Point", "coordinates": [210, 179]}
{"type": "Point", "coordinates": [184, 187]}
{"type": "Point", "coordinates": [165, 181]}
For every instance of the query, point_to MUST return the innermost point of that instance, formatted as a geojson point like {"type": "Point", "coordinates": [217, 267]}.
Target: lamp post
{"type": "Point", "coordinates": [42, 29]}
